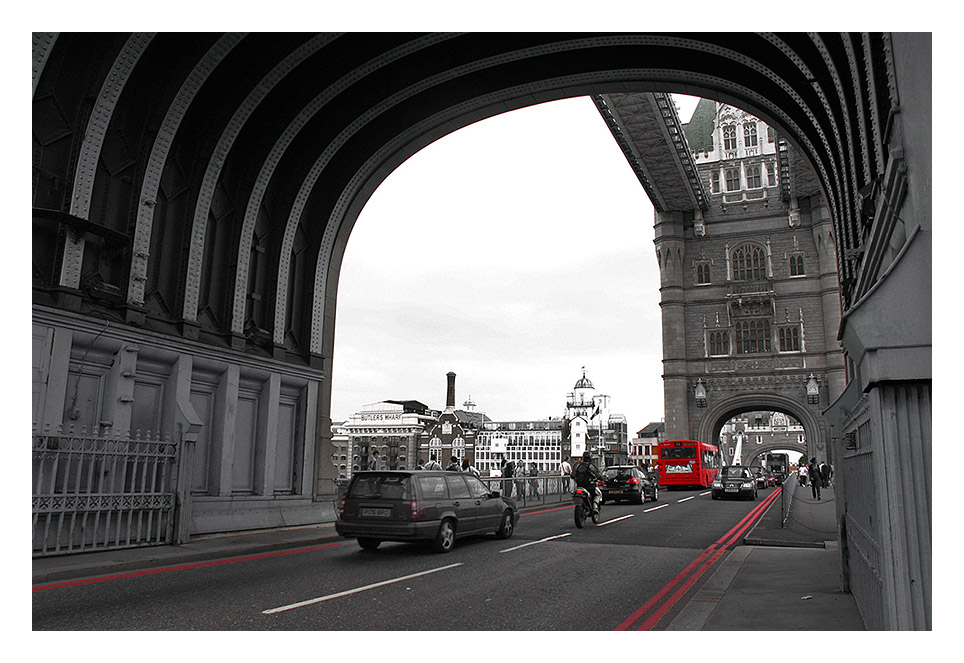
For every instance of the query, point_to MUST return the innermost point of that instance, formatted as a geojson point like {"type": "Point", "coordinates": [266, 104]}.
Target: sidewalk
{"type": "Point", "coordinates": [780, 579]}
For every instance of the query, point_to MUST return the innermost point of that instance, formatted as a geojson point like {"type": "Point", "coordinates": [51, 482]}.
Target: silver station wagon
{"type": "Point", "coordinates": [417, 505]}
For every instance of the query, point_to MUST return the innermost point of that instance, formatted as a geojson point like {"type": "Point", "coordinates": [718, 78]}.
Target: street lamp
{"type": "Point", "coordinates": [700, 393]}
{"type": "Point", "coordinates": [813, 391]}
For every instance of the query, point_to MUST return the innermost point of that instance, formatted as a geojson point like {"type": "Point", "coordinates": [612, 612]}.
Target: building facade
{"type": "Point", "coordinates": [389, 430]}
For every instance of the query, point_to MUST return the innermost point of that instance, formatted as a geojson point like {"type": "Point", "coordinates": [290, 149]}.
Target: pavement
{"type": "Point", "coordinates": [784, 576]}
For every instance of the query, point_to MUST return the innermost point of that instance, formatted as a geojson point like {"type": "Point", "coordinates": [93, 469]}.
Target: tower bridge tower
{"type": "Point", "coordinates": [748, 280]}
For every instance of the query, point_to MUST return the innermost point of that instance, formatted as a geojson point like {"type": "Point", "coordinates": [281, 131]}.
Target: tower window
{"type": "Point", "coordinates": [753, 178]}
{"type": "Point", "coordinates": [703, 273]}
{"type": "Point", "coordinates": [729, 138]}
{"type": "Point", "coordinates": [789, 338]}
{"type": "Point", "coordinates": [753, 336]}
{"type": "Point", "coordinates": [733, 179]}
{"type": "Point", "coordinates": [718, 343]}
{"type": "Point", "coordinates": [749, 263]}
{"type": "Point", "coordinates": [796, 266]}
{"type": "Point", "coordinates": [749, 135]}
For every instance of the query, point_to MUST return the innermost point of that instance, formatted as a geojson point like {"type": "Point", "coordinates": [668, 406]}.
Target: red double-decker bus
{"type": "Point", "coordinates": [687, 463]}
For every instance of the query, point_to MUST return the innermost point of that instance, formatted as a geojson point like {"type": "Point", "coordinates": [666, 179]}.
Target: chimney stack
{"type": "Point", "coordinates": [450, 396]}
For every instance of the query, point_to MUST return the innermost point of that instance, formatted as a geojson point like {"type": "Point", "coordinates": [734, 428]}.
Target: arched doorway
{"type": "Point", "coordinates": [712, 420]}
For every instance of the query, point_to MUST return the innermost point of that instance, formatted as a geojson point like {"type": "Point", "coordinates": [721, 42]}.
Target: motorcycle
{"type": "Point", "coordinates": [584, 506]}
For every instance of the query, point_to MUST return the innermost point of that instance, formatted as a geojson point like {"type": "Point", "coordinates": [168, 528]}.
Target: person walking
{"type": "Point", "coordinates": [469, 469]}
{"type": "Point", "coordinates": [507, 470]}
{"type": "Point", "coordinates": [420, 465]}
{"type": "Point", "coordinates": [432, 464]}
{"type": "Point", "coordinates": [533, 481]}
{"type": "Point", "coordinates": [803, 471]}
{"type": "Point", "coordinates": [824, 475]}
{"type": "Point", "coordinates": [565, 469]}
{"type": "Point", "coordinates": [373, 460]}
{"type": "Point", "coordinates": [814, 471]}
{"type": "Point", "coordinates": [453, 465]}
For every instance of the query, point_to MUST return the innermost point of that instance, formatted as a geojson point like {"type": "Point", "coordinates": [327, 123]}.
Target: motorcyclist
{"type": "Point", "coordinates": [586, 476]}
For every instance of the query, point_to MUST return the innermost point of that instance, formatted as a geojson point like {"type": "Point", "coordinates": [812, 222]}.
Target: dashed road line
{"type": "Point", "coordinates": [661, 506]}
{"type": "Point", "coordinates": [532, 543]}
{"type": "Point", "coordinates": [348, 592]}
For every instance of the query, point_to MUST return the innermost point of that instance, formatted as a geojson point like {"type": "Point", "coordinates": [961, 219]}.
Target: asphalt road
{"type": "Point", "coordinates": [632, 571]}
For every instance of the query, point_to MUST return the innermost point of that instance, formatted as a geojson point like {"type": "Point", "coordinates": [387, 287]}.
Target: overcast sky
{"type": "Point", "coordinates": [512, 252]}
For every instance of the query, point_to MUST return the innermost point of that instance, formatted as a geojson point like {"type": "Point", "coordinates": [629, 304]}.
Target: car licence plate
{"type": "Point", "coordinates": [372, 512]}
{"type": "Point", "coordinates": [732, 489]}
{"type": "Point", "coordinates": [615, 492]}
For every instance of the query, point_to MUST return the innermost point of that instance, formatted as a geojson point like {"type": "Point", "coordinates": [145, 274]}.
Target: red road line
{"type": "Point", "coordinates": [735, 532]}
{"type": "Point", "coordinates": [179, 567]}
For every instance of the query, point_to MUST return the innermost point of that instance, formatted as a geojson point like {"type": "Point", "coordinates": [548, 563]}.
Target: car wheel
{"type": "Point", "coordinates": [368, 544]}
{"type": "Point", "coordinates": [506, 527]}
{"type": "Point", "coordinates": [656, 494]}
{"type": "Point", "coordinates": [641, 497]}
{"type": "Point", "coordinates": [445, 539]}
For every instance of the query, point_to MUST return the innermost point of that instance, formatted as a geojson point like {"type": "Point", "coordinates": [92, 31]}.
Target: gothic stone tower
{"type": "Point", "coordinates": [748, 282]}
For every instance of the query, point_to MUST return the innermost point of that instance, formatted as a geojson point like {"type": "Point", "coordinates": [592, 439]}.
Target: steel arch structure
{"type": "Point", "coordinates": [193, 195]}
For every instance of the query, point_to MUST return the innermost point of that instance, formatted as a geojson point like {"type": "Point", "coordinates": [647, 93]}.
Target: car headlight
{"type": "Point", "coordinates": [748, 484]}
{"type": "Point", "coordinates": [717, 484]}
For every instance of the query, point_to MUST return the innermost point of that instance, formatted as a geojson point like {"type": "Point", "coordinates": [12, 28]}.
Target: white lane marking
{"type": "Point", "coordinates": [686, 499]}
{"type": "Point", "coordinates": [532, 543]}
{"type": "Point", "coordinates": [706, 493]}
{"type": "Point", "coordinates": [661, 506]}
{"type": "Point", "coordinates": [356, 590]}
{"type": "Point", "coordinates": [615, 520]}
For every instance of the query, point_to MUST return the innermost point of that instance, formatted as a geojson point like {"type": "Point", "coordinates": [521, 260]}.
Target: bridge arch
{"type": "Point", "coordinates": [712, 421]}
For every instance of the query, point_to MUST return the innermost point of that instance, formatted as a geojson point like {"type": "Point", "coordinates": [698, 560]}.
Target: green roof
{"type": "Point", "coordinates": [699, 130]}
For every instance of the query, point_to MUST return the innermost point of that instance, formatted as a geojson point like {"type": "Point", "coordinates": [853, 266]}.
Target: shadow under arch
{"type": "Point", "coordinates": [711, 422]}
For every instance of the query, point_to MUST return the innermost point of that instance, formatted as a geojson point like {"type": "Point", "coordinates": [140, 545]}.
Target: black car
{"type": "Point", "coordinates": [735, 481]}
{"type": "Point", "coordinates": [628, 482]}
{"type": "Point", "coordinates": [433, 506]}
{"type": "Point", "coordinates": [761, 477]}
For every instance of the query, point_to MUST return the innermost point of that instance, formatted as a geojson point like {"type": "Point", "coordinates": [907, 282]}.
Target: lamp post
{"type": "Point", "coordinates": [700, 393]}
{"type": "Point", "coordinates": [813, 390]}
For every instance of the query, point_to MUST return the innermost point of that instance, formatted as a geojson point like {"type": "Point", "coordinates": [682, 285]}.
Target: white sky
{"type": "Point", "coordinates": [513, 252]}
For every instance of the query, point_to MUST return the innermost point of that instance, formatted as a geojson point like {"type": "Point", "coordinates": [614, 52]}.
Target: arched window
{"type": "Point", "coordinates": [752, 336]}
{"type": "Point", "coordinates": [703, 273]}
{"type": "Point", "coordinates": [718, 344]}
{"type": "Point", "coordinates": [753, 178]}
{"type": "Point", "coordinates": [729, 137]}
{"type": "Point", "coordinates": [796, 265]}
{"type": "Point", "coordinates": [749, 134]}
{"type": "Point", "coordinates": [749, 263]}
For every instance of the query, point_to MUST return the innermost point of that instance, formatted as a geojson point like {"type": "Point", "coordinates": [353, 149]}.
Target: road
{"type": "Point", "coordinates": [632, 571]}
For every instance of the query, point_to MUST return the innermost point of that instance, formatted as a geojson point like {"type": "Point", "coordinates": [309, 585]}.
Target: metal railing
{"type": "Point", "coordinates": [100, 492]}
{"type": "Point", "coordinates": [527, 491]}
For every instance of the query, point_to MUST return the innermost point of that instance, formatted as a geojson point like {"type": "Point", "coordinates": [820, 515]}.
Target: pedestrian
{"type": "Point", "coordinates": [453, 465]}
{"type": "Point", "coordinates": [421, 464]}
{"type": "Point", "coordinates": [824, 475]}
{"type": "Point", "coordinates": [468, 469]}
{"type": "Point", "coordinates": [814, 471]}
{"type": "Point", "coordinates": [533, 481]}
{"type": "Point", "coordinates": [802, 474]}
{"type": "Point", "coordinates": [520, 479]}
{"type": "Point", "coordinates": [565, 469]}
{"type": "Point", "coordinates": [373, 460]}
{"type": "Point", "coordinates": [507, 470]}
{"type": "Point", "coordinates": [432, 464]}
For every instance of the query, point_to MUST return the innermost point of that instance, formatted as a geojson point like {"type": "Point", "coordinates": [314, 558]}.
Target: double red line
{"type": "Point", "coordinates": [688, 576]}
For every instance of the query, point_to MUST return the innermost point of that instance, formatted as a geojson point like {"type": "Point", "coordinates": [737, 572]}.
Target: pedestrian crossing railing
{"type": "Point", "coordinates": [528, 490]}
{"type": "Point", "coordinates": [98, 490]}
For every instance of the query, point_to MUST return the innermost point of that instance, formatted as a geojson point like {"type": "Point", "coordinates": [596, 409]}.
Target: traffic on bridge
{"type": "Point", "coordinates": [636, 569]}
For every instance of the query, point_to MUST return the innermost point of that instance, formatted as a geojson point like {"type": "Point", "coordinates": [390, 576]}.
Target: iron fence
{"type": "Point", "coordinates": [99, 491]}
{"type": "Point", "coordinates": [527, 491]}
